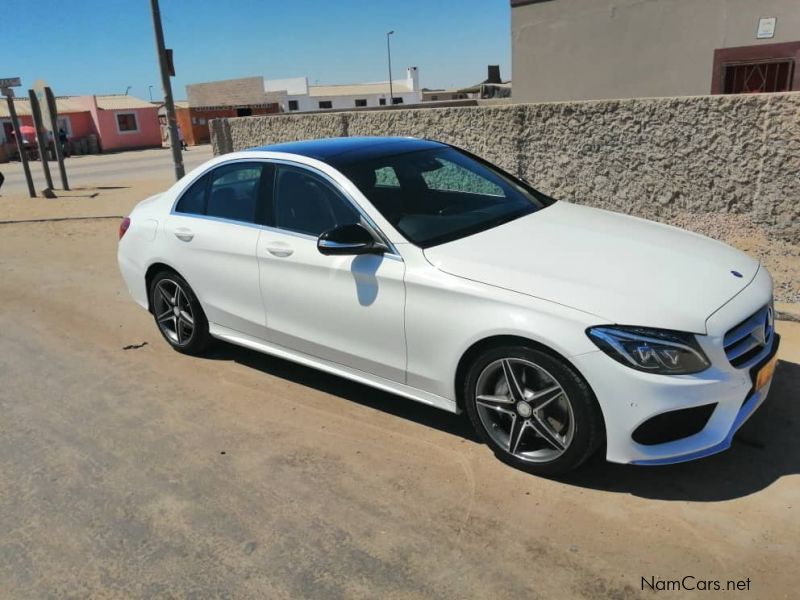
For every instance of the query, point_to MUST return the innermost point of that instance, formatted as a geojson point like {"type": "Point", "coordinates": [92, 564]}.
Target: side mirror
{"type": "Point", "coordinates": [349, 240]}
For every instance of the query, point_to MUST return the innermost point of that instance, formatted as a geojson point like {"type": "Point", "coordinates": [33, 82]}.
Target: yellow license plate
{"type": "Point", "coordinates": [765, 374]}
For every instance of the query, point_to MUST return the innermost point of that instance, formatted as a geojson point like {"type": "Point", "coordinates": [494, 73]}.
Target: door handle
{"type": "Point", "coordinates": [280, 249]}
{"type": "Point", "coordinates": [184, 234]}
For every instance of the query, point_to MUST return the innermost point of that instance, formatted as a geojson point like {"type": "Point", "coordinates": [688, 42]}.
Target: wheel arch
{"type": "Point", "coordinates": [151, 272]}
{"type": "Point", "coordinates": [495, 341]}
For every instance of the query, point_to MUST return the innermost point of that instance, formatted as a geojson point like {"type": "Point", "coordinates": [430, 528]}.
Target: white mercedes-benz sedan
{"type": "Point", "coordinates": [420, 269]}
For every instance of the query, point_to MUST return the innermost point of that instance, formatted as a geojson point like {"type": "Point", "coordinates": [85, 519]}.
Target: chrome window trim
{"type": "Point", "coordinates": [391, 254]}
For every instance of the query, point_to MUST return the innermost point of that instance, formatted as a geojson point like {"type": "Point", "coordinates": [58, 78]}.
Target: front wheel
{"type": "Point", "coordinates": [178, 314]}
{"type": "Point", "coordinates": [532, 409]}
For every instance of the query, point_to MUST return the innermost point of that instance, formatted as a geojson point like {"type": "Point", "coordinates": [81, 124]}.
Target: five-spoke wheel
{"type": "Point", "coordinates": [172, 311]}
{"type": "Point", "coordinates": [533, 409]}
{"type": "Point", "coordinates": [178, 314]}
{"type": "Point", "coordinates": [524, 408]}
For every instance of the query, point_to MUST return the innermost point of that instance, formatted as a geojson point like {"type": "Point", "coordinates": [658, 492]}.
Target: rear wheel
{"type": "Point", "coordinates": [178, 314]}
{"type": "Point", "coordinates": [532, 409]}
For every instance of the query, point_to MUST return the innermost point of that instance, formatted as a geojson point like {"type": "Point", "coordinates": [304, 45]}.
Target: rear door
{"type": "Point", "coordinates": [212, 236]}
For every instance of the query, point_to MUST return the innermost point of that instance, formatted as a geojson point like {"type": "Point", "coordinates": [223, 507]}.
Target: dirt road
{"type": "Point", "coordinates": [101, 169]}
{"type": "Point", "coordinates": [140, 472]}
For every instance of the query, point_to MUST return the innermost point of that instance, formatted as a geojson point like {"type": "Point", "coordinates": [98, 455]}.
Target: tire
{"type": "Point", "coordinates": [549, 423]}
{"type": "Point", "coordinates": [186, 329]}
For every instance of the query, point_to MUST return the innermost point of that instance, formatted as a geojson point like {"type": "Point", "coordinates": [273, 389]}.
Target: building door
{"type": "Point", "coordinates": [8, 131]}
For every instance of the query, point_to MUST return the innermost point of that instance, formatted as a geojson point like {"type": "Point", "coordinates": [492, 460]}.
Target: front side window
{"type": "Point", "coordinates": [325, 104]}
{"type": "Point", "coordinates": [307, 203]}
{"type": "Point", "coordinates": [439, 195]}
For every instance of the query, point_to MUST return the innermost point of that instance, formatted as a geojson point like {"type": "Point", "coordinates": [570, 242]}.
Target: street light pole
{"type": "Point", "coordinates": [169, 104]}
{"type": "Point", "coordinates": [389, 55]}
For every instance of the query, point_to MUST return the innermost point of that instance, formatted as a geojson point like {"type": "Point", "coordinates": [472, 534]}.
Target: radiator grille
{"type": "Point", "coordinates": [750, 340]}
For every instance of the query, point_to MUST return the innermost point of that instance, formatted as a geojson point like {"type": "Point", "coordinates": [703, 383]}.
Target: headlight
{"type": "Point", "coordinates": [651, 350]}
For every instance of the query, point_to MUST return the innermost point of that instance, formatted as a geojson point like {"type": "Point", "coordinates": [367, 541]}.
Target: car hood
{"type": "Point", "coordinates": [620, 268]}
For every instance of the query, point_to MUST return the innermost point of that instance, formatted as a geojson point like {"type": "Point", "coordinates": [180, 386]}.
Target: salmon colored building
{"type": "Point", "coordinates": [119, 122]}
{"type": "Point", "coordinates": [122, 122]}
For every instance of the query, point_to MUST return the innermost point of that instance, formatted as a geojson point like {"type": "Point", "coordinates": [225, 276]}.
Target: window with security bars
{"type": "Point", "coordinates": [758, 77]}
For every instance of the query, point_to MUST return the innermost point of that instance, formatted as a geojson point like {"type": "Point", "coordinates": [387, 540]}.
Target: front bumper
{"type": "Point", "coordinates": [751, 403]}
{"type": "Point", "coordinates": [630, 398]}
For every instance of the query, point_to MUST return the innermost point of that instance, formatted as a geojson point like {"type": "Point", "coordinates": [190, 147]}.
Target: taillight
{"type": "Point", "coordinates": [123, 227]}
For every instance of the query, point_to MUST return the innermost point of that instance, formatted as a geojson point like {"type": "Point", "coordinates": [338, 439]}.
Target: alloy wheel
{"type": "Point", "coordinates": [173, 311]}
{"type": "Point", "coordinates": [525, 410]}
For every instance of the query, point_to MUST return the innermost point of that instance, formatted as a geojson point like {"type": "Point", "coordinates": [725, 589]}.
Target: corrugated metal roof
{"type": "Point", "coordinates": [357, 89]}
{"type": "Point", "coordinates": [121, 101]}
{"type": "Point", "coordinates": [64, 105]}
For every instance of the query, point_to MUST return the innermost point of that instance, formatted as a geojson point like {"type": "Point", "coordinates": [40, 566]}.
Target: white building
{"type": "Point", "coordinates": [301, 97]}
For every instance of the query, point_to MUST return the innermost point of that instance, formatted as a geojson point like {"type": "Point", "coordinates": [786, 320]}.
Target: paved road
{"type": "Point", "coordinates": [128, 470]}
{"type": "Point", "coordinates": [99, 169]}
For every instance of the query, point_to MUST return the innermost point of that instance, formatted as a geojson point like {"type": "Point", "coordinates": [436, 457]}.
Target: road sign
{"type": "Point", "coordinates": [10, 82]}
{"type": "Point", "coordinates": [39, 87]}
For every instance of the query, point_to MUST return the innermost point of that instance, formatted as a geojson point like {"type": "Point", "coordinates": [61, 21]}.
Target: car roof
{"type": "Point", "coordinates": [351, 149]}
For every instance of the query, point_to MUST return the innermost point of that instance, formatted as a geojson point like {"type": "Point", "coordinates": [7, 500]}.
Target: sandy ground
{"type": "Point", "coordinates": [141, 472]}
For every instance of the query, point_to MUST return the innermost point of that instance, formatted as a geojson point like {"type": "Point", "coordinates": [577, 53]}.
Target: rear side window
{"type": "Point", "coordinates": [233, 192]}
{"type": "Point", "coordinates": [193, 201]}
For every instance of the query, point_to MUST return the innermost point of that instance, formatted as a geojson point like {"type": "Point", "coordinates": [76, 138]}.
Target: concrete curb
{"type": "Point", "coordinates": [785, 311]}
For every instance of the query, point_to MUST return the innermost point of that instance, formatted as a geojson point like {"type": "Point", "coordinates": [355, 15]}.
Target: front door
{"type": "Point", "coordinates": [345, 309]}
{"type": "Point", "coordinates": [213, 235]}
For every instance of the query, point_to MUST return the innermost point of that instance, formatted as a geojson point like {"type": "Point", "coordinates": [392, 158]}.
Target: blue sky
{"type": "Point", "coordinates": [103, 46]}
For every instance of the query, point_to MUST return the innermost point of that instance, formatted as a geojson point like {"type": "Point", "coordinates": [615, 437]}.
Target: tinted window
{"type": "Point", "coordinates": [234, 192]}
{"type": "Point", "coordinates": [306, 203]}
{"type": "Point", "coordinates": [439, 195]}
{"type": "Point", "coordinates": [193, 200]}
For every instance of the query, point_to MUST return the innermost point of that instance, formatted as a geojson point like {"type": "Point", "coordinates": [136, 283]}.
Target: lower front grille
{"type": "Point", "coordinates": [746, 343]}
{"type": "Point", "coordinates": [673, 425]}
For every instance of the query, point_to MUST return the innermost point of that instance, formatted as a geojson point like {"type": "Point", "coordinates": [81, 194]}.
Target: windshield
{"type": "Point", "coordinates": [439, 195]}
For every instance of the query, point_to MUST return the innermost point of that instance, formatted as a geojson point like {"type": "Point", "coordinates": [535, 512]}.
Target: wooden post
{"type": "Point", "coordinates": [23, 157]}
{"type": "Point", "coordinates": [169, 105]}
{"type": "Point", "coordinates": [51, 108]}
{"type": "Point", "coordinates": [40, 136]}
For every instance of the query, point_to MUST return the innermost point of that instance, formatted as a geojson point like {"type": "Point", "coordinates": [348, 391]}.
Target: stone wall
{"type": "Point", "coordinates": [655, 158]}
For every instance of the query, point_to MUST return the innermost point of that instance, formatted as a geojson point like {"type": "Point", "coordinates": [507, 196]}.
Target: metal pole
{"type": "Point", "coordinates": [389, 53]}
{"type": "Point", "coordinates": [41, 137]}
{"type": "Point", "coordinates": [169, 104]}
{"type": "Point", "coordinates": [51, 108]}
{"type": "Point", "coordinates": [23, 157]}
